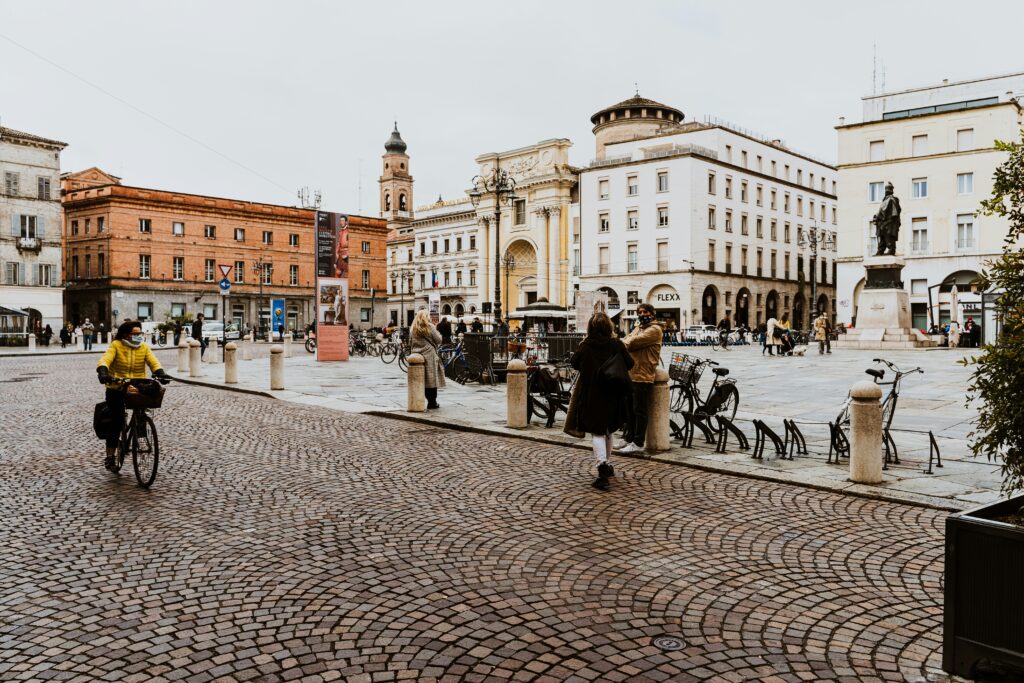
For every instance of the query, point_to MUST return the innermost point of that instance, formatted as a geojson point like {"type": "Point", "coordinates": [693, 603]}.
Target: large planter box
{"type": "Point", "coordinates": [984, 592]}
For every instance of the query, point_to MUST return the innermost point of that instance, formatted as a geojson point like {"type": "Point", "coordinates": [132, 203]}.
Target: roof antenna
{"type": "Point", "coordinates": [636, 88]}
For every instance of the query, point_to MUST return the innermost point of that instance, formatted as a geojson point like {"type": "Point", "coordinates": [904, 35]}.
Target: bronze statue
{"type": "Point", "coordinates": [887, 223]}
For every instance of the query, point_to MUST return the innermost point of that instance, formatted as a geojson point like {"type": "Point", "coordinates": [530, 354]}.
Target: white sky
{"type": "Point", "coordinates": [304, 91]}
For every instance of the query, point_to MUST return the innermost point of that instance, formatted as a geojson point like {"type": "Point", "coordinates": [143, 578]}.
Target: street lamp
{"type": "Point", "coordinates": [261, 268]}
{"type": "Point", "coordinates": [812, 239]}
{"type": "Point", "coordinates": [503, 186]}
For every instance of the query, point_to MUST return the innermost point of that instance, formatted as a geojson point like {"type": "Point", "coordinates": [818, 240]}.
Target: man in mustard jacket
{"type": "Point", "coordinates": [644, 345]}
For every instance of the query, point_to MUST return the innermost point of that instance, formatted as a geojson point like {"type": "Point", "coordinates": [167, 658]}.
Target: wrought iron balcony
{"type": "Point", "coordinates": [29, 244]}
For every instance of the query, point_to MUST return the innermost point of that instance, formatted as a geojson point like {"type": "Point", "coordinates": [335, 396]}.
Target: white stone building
{"type": "Point", "coordinates": [447, 257]}
{"type": "Point", "coordinates": [702, 220]}
{"type": "Point", "coordinates": [31, 292]}
{"type": "Point", "coordinates": [935, 145]}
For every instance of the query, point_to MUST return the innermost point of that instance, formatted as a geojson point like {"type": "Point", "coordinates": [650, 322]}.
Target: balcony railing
{"type": "Point", "coordinates": [29, 244]}
{"type": "Point", "coordinates": [966, 244]}
{"type": "Point", "coordinates": [711, 266]}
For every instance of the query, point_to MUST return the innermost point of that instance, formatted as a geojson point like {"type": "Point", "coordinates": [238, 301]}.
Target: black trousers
{"type": "Point", "coordinates": [637, 411]}
{"type": "Point", "coordinates": [115, 399]}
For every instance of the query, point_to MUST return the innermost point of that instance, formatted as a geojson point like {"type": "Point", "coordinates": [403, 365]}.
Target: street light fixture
{"type": "Point", "coordinates": [503, 186]}
{"type": "Point", "coordinates": [813, 239]}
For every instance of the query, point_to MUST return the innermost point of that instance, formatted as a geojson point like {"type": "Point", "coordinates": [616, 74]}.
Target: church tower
{"type": "Point", "coordinates": [396, 183]}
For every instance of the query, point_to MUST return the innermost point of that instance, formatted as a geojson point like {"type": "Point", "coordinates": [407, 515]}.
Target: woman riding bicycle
{"type": "Point", "coordinates": [125, 358]}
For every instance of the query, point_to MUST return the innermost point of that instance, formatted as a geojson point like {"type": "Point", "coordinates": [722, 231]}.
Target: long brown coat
{"type": "Point", "coordinates": [433, 371]}
{"type": "Point", "coordinates": [592, 409]}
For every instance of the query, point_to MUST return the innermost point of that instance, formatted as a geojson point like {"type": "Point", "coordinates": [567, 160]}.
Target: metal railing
{"type": "Point", "coordinates": [966, 244]}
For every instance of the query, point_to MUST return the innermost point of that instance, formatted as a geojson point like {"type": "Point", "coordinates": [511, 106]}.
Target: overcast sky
{"type": "Point", "coordinates": [303, 92]}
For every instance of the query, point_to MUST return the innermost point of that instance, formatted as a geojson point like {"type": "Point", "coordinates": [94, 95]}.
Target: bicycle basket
{"type": "Point", "coordinates": [149, 394]}
{"type": "Point", "coordinates": [685, 369]}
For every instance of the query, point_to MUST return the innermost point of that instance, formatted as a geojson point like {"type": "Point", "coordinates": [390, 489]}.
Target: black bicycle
{"type": "Point", "coordinates": [139, 432]}
{"type": "Point", "coordinates": [723, 397]}
{"type": "Point", "coordinates": [889, 402]}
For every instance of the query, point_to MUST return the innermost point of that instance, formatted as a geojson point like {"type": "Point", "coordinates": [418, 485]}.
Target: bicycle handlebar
{"type": "Point", "coordinates": [892, 366]}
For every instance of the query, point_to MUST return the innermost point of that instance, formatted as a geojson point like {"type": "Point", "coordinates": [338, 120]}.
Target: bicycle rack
{"type": "Point", "coordinates": [765, 432]}
{"type": "Point", "coordinates": [933, 450]}
{"type": "Point", "coordinates": [683, 433]}
{"type": "Point", "coordinates": [891, 455]}
{"type": "Point", "coordinates": [839, 443]}
{"type": "Point", "coordinates": [725, 425]}
{"type": "Point", "coordinates": [794, 439]}
{"type": "Point", "coordinates": [703, 423]}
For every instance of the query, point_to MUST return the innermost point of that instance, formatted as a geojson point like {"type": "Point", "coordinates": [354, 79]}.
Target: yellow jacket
{"type": "Point", "coordinates": [125, 362]}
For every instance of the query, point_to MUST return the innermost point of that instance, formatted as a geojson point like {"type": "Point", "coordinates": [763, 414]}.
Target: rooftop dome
{"type": "Point", "coordinates": [395, 143]}
{"type": "Point", "coordinates": [637, 107]}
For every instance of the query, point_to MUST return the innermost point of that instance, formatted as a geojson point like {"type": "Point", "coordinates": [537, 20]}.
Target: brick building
{"type": "Point", "coordinates": [367, 272]}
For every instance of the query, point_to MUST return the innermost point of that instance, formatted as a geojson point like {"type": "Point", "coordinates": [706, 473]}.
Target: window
{"type": "Point", "coordinates": [178, 269]}
{"type": "Point", "coordinates": [239, 271]}
{"type": "Point", "coordinates": [919, 236]}
{"type": "Point", "coordinates": [919, 145]}
{"type": "Point", "coordinates": [43, 188]}
{"type": "Point", "coordinates": [602, 259]}
{"type": "Point", "coordinates": [711, 183]}
{"type": "Point", "coordinates": [210, 311]}
{"type": "Point", "coordinates": [143, 266]}
{"type": "Point", "coordinates": [268, 237]}
{"type": "Point", "coordinates": [11, 183]}
{"type": "Point", "coordinates": [472, 278]}
{"type": "Point", "coordinates": [268, 273]}
{"type": "Point", "coordinates": [965, 140]}
{"type": "Point", "coordinates": [919, 286]}
{"type": "Point", "coordinates": [760, 164]}
{"type": "Point", "coordinates": [632, 187]}
{"type": "Point", "coordinates": [799, 177]}
{"type": "Point", "coordinates": [293, 239]}
{"type": "Point", "coordinates": [458, 278]}
{"type": "Point", "coordinates": [602, 189]}
{"type": "Point", "coordinates": [759, 224]}
{"type": "Point", "coordinates": [774, 204]}
{"type": "Point", "coordinates": [728, 258]}
{"type": "Point", "coordinates": [786, 172]}
{"type": "Point", "coordinates": [632, 219]}
{"type": "Point", "coordinates": [74, 227]}
{"type": "Point", "coordinates": [208, 269]}
{"type": "Point", "coordinates": [728, 220]}
{"type": "Point", "coordinates": [631, 258]}
{"type": "Point", "coordinates": [178, 229]}
{"type": "Point", "coordinates": [774, 262]}
{"type": "Point", "coordinates": [744, 227]}
{"type": "Point", "coordinates": [876, 191]}
{"type": "Point", "coordinates": [743, 260]}
{"type": "Point", "coordinates": [775, 171]}
{"type": "Point", "coordinates": [919, 188]}
{"type": "Point", "coordinates": [785, 232]}
{"type": "Point", "coordinates": [423, 248]}
{"type": "Point", "coordinates": [662, 216]}
{"type": "Point", "coordinates": [785, 203]}
{"type": "Point", "coordinates": [799, 206]}
{"type": "Point", "coordinates": [29, 226]}
{"type": "Point", "coordinates": [239, 234]}
{"type": "Point", "coordinates": [964, 183]}
{"type": "Point", "coordinates": [602, 222]}
{"type": "Point", "coordinates": [775, 231]}
{"type": "Point", "coordinates": [401, 202]}
{"type": "Point", "coordinates": [743, 190]}
{"type": "Point", "coordinates": [88, 225]}
{"type": "Point", "coordinates": [365, 280]}
{"type": "Point", "coordinates": [293, 275]}
{"type": "Point", "coordinates": [144, 310]}
{"type": "Point", "coordinates": [759, 197]}
{"type": "Point", "coordinates": [423, 281]}
{"type": "Point", "coordinates": [743, 155]}
{"type": "Point", "coordinates": [760, 263]}
{"type": "Point", "coordinates": [472, 242]}
{"type": "Point", "coordinates": [364, 315]}
{"type": "Point", "coordinates": [662, 257]}
{"type": "Point", "coordinates": [711, 218]}
{"type": "Point", "coordinates": [728, 188]}
{"type": "Point", "coordinates": [458, 245]}
{"type": "Point", "coordinates": [177, 310]}
{"type": "Point", "coordinates": [663, 181]}
{"type": "Point", "coordinates": [876, 150]}
{"type": "Point", "coordinates": [835, 216]}
{"type": "Point", "coordinates": [101, 264]}
{"type": "Point", "coordinates": [711, 255]}
{"type": "Point", "coordinates": [965, 231]}
{"type": "Point", "coordinates": [447, 244]}
{"type": "Point", "coordinates": [145, 225]}
{"type": "Point", "coordinates": [520, 212]}
{"type": "Point", "coordinates": [210, 232]}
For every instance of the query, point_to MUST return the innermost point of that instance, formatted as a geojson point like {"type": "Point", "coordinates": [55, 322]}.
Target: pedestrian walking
{"type": "Point", "coordinates": [47, 335]}
{"type": "Point", "coordinates": [425, 341]}
{"type": "Point", "coordinates": [954, 334]}
{"type": "Point", "coordinates": [976, 336]}
{"type": "Point", "coordinates": [461, 327]}
{"type": "Point", "coordinates": [822, 329]}
{"type": "Point", "coordinates": [785, 339]}
{"type": "Point", "coordinates": [644, 346]}
{"type": "Point", "coordinates": [597, 406]}
{"type": "Point", "coordinates": [87, 331]}
{"type": "Point", "coordinates": [177, 331]}
{"type": "Point", "coordinates": [445, 329]}
{"type": "Point", "coordinates": [197, 334]}
{"type": "Point", "coordinates": [476, 326]}
{"type": "Point", "coordinates": [65, 335]}
{"type": "Point", "coordinates": [773, 336]}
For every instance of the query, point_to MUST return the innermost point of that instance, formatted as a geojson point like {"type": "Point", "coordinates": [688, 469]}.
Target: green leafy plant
{"type": "Point", "coordinates": [997, 382]}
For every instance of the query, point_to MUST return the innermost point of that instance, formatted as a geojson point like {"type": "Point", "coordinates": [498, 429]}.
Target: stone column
{"type": "Point", "coordinates": [416, 399]}
{"type": "Point", "coordinates": [31, 343]}
{"type": "Point", "coordinates": [194, 360]}
{"type": "Point", "coordinates": [231, 363]}
{"type": "Point", "coordinates": [183, 355]}
{"type": "Point", "coordinates": [866, 433]}
{"type": "Point", "coordinates": [554, 226]}
{"type": "Point", "coordinates": [543, 251]}
{"type": "Point", "coordinates": [658, 432]}
{"type": "Point", "coordinates": [276, 367]}
{"type": "Point", "coordinates": [515, 394]}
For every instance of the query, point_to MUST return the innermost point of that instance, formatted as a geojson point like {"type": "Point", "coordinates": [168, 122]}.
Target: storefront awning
{"type": "Point", "coordinates": [12, 311]}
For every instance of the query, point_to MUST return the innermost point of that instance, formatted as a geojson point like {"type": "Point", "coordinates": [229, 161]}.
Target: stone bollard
{"type": "Point", "coordinates": [231, 363]}
{"type": "Point", "coordinates": [866, 433]}
{"type": "Point", "coordinates": [515, 394]}
{"type": "Point", "coordinates": [416, 400]}
{"type": "Point", "coordinates": [276, 367]}
{"type": "Point", "coordinates": [246, 348]}
{"type": "Point", "coordinates": [31, 343]}
{"type": "Point", "coordinates": [79, 342]}
{"type": "Point", "coordinates": [194, 359]}
{"type": "Point", "coordinates": [287, 345]}
{"type": "Point", "coordinates": [183, 355]}
{"type": "Point", "coordinates": [658, 433]}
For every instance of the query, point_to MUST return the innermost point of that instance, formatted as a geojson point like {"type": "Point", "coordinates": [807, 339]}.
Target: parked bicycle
{"type": "Point", "coordinates": [311, 342]}
{"type": "Point", "coordinates": [458, 366]}
{"type": "Point", "coordinates": [139, 432]}
{"type": "Point", "coordinates": [723, 397]}
{"type": "Point", "coordinates": [888, 403]}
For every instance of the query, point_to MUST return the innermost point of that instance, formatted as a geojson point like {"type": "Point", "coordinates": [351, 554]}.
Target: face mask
{"type": "Point", "coordinates": [137, 339]}
{"type": "Point", "coordinates": [645, 319]}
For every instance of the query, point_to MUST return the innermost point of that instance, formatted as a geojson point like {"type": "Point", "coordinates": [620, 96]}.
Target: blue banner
{"type": "Point", "coordinates": [277, 314]}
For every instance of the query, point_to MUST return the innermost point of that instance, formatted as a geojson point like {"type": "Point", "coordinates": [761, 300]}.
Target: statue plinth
{"type": "Point", "coordinates": [883, 309]}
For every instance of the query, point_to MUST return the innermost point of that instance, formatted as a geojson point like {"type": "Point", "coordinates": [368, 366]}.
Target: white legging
{"type": "Point", "coordinates": [602, 446]}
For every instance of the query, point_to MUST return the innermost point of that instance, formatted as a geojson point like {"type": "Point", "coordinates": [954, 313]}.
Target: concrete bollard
{"type": "Point", "coordinates": [658, 433]}
{"type": "Point", "coordinates": [866, 433]}
{"type": "Point", "coordinates": [183, 355]}
{"type": "Point", "coordinates": [31, 343]}
{"type": "Point", "coordinates": [231, 363]}
{"type": "Point", "coordinates": [287, 345]}
{"type": "Point", "coordinates": [515, 394]}
{"type": "Point", "coordinates": [416, 400]}
{"type": "Point", "coordinates": [194, 360]}
{"type": "Point", "coordinates": [246, 348]}
{"type": "Point", "coordinates": [79, 342]}
{"type": "Point", "coordinates": [276, 367]}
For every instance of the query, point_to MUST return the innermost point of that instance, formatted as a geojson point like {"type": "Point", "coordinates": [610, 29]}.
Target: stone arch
{"type": "Point", "coordinates": [799, 312]}
{"type": "Point", "coordinates": [446, 309]}
{"type": "Point", "coordinates": [460, 310]}
{"type": "Point", "coordinates": [771, 305]}
{"type": "Point", "coordinates": [709, 305]}
{"type": "Point", "coordinates": [402, 204]}
{"type": "Point", "coordinates": [858, 288]}
{"type": "Point", "coordinates": [743, 307]}
{"type": "Point", "coordinates": [519, 269]}
{"type": "Point", "coordinates": [387, 201]}
{"type": "Point", "coordinates": [822, 306]}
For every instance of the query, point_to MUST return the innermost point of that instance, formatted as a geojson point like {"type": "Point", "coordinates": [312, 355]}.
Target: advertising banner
{"type": "Point", "coordinates": [434, 306]}
{"type": "Point", "coordinates": [587, 304]}
{"type": "Point", "coordinates": [331, 286]}
{"type": "Point", "coordinates": [277, 317]}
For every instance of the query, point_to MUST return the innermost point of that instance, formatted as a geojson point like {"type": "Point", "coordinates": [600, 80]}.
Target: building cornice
{"type": "Point", "coordinates": [953, 112]}
{"type": "Point", "coordinates": [900, 160]}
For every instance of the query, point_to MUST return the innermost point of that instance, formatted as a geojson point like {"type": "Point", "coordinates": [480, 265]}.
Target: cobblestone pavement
{"type": "Point", "coordinates": [288, 542]}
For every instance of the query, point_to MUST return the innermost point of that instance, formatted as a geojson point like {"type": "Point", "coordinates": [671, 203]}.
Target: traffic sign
{"type": "Point", "coordinates": [225, 270]}
{"type": "Point", "coordinates": [225, 285]}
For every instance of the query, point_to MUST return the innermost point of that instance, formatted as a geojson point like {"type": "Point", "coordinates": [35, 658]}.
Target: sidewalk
{"type": "Point", "coordinates": [56, 350]}
{"type": "Point", "coordinates": [807, 389]}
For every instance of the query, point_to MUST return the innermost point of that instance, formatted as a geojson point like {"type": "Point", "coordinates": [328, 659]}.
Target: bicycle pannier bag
{"type": "Point", "coordinates": [613, 375]}
{"type": "Point", "coordinates": [103, 421]}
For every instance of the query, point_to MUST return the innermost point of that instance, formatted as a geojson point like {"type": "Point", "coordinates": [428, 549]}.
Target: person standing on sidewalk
{"type": "Point", "coordinates": [425, 340]}
{"type": "Point", "coordinates": [197, 333]}
{"type": "Point", "coordinates": [644, 346]}
{"type": "Point", "coordinates": [87, 331]}
{"type": "Point", "coordinates": [598, 401]}
{"type": "Point", "coordinates": [821, 333]}
{"type": "Point", "coordinates": [65, 335]}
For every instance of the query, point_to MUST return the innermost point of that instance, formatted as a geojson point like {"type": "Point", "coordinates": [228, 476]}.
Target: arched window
{"type": "Point", "coordinates": [401, 202]}
{"type": "Point", "coordinates": [387, 201]}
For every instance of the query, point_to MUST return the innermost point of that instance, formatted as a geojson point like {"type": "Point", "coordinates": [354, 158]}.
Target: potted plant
{"type": "Point", "coordinates": [984, 582]}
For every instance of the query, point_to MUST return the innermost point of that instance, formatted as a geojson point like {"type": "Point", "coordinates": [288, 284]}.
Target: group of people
{"type": "Point", "coordinates": [70, 332]}
{"type": "Point", "coordinates": [967, 337]}
{"type": "Point", "coordinates": [777, 336]}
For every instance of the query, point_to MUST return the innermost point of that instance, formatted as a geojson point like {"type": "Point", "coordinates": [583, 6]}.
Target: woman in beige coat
{"type": "Point", "coordinates": [425, 340]}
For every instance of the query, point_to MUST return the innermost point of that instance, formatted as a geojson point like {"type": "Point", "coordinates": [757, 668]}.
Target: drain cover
{"type": "Point", "coordinates": [668, 643]}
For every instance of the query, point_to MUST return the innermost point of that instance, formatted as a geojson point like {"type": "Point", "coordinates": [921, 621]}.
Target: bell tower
{"type": "Point", "coordinates": [396, 183]}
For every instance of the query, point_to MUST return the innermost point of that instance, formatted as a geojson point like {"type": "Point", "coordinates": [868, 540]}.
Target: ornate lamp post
{"type": "Point", "coordinates": [261, 268]}
{"type": "Point", "coordinates": [503, 186]}
{"type": "Point", "coordinates": [812, 239]}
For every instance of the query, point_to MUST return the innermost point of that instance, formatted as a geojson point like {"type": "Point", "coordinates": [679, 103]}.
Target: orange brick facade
{"type": "Point", "coordinates": [109, 226]}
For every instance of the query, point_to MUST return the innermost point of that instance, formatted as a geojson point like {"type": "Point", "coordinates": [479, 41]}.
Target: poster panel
{"type": "Point", "coordinates": [434, 306]}
{"type": "Point", "coordinates": [277, 317]}
{"type": "Point", "coordinates": [588, 303]}
{"type": "Point", "coordinates": [331, 286]}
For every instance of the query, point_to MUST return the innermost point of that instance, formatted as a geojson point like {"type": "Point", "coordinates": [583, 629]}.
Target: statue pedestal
{"type": "Point", "coordinates": [883, 310]}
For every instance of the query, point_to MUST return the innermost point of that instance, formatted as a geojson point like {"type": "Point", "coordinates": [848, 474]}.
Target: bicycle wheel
{"type": "Point", "coordinates": [122, 449]}
{"type": "Point", "coordinates": [310, 346]}
{"type": "Point", "coordinates": [843, 418]}
{"type": "Point", "coordinates": [730, 401]}
{"type": "Point", "coordinates": [474, 368]}
{"type": "Point", "coordinates": [389, 353]}
{"type": "Point", "coordinates": [403, 363]}
{"type": "Point", "coordinates": [680, 400]}
{"type": "Point", "coordinates": [145, 451]}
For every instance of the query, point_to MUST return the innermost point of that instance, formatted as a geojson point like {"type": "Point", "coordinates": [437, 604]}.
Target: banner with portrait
{"type": "Point", "coordinates": [331, 286]}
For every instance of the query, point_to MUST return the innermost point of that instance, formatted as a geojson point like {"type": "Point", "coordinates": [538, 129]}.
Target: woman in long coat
{"type": "Point", "coordinates": [425, 340]}
{"type": "Point", "coordinates": [771, 341]}
{"type": "Point", "coordinates": [593, 408]}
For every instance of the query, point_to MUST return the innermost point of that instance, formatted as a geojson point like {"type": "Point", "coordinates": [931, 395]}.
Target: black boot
{"type": "Point", "coordinates": [604, 471]}
{"type": "Point", "coordinates": [431, 395]}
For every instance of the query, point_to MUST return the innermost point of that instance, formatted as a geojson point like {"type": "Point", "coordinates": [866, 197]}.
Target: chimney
{"type": "Point", "coordinates": [842, 120]}
{"type": "Point", "coordinates": [945, 81]}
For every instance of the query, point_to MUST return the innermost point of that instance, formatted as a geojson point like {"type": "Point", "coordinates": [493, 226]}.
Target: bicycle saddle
{"type": "Point", "coordinates": [721, 372]}
{"type": "Point", "coordinates": [877, 374]}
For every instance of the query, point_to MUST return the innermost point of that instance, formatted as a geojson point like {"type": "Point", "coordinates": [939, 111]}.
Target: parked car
{"type": "Point", "coordinates": [701, 333]}
{"type": "Point", "coordinates": [214, 329]}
